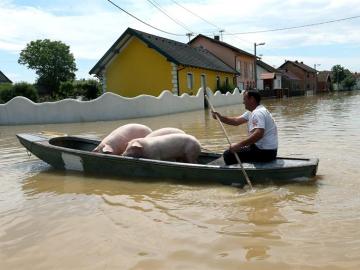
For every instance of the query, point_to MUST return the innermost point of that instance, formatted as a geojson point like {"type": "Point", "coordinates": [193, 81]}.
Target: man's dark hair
{"type": "Point", "coordinates": [255, 94]}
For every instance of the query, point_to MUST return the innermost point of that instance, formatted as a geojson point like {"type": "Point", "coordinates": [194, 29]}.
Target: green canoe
{"type": "Point", "coordinates": [75, 153]}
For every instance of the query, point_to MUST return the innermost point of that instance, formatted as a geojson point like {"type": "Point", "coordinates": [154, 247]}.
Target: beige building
{"type": "Point", "coordinates": [241, 61]}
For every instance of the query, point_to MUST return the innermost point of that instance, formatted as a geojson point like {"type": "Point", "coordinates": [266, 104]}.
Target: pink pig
{"type": "Point", "coordinates": [165, 131]}
{"type": "Point", "coordinates": [166, 147]}
{"type": "Point", "coordinates": [115, 143]}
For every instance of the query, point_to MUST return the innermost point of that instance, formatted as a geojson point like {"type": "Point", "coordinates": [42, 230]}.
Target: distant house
{"type": "Point", "coordinates": [141, 63]}
{"type": "Point", "coordinates": [3, 78]}
{"type": "Point", "coordinates": [306, 75]}
{"type": "Point", "coordinates": [241, 61]}
{"type": "Point", "coordinates": [357, 78]}
{"type": "Point", "coordinates": [290, 83]}
{"type": "Point", "coordinates": [324, 83]}
{"type": "Point", "coordinates": [268, 78]}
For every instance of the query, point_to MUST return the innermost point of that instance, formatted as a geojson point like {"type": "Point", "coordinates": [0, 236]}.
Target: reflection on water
{"type": "Point", "coordinates": [61, 220]}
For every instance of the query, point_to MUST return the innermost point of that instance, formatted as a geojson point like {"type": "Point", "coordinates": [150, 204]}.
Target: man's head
{"type": "Point", "coordinates": [251, 99]}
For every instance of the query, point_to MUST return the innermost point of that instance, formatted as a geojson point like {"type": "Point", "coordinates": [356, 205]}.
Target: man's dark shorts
{"type": "Point", "coordinates": [250, 153]}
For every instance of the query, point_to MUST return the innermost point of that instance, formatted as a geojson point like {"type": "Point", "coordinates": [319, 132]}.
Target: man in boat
{"type": "Point", "coordinates": [262, 142]}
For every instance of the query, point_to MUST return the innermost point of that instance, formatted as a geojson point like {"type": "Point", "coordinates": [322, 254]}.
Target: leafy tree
{"type": "Point", "coordinates": [339, 73]}
{"type": "Point", "coordinates": [349, 82]}
{"type": "Point", "coordinates": [52, 61]}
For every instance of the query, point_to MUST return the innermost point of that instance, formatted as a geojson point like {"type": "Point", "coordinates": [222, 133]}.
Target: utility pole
{"type": "Point", "coordinates": [316, 79]}
{"type": "Point", "coordinates": [255, 59]}
{"type": "Point", "coordinates": [221, 34]}
{"type": "Point", "coordinates": [189, 35]}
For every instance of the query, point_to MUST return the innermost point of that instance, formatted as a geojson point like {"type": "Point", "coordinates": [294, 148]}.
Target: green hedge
{"type": "Point", "coordinates": [88, 89]}
{"type": "Point", "coordinates": [9, 91]}
{"type": "Point", "coordinates": [224, 88]}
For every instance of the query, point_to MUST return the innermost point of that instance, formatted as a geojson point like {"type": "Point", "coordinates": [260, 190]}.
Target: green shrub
{"type": "Point", "coordinates": [4, 87]}
{"type": "Point", "coordinates": [5, 92]}
{"type": "Point", "coordinates": [26, 90]}
{"type": "Point", "coordinates": [224, 88]}
{"type": "Point", "coordinates": [18, 89]}
{"type": "Point", "coordinates": [66, 90]}
{"type": "Point", "coordinates": [90, 89]}
{"type": "Point", "coordinates": [78, 88]}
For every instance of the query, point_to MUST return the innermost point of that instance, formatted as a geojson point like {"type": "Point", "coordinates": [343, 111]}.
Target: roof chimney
{"type": "Point", "coordinates": [301, 62]}
{"type": "Point", "coordinates": [217, 37]}
{"type": "Point", "coordinates": [296, 61]}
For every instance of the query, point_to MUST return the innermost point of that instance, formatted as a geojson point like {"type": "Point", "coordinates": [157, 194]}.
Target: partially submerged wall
{"type": "Point", "coordinates": [109, 106]}
{"type": "Point", "coordinates": [218, 99]}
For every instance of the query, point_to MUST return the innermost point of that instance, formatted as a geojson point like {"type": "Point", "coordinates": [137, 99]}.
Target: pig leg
{"type": "Point", "coordinates": [107, 149]}
{"type": "Point", "coordinates": [190, 158]}
{"type": "Point", "coordinates": [191, 154]}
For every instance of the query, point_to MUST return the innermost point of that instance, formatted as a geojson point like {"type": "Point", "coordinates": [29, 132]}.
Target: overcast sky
{"type": "Point", "coordinates": [90, 27]}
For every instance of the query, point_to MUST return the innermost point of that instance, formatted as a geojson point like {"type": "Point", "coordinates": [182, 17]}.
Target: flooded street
{"type": "Point", "coordinates": [61, 220]}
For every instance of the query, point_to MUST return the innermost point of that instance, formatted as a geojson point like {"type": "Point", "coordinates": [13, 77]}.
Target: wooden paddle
{"type": "Point", "coordinates": [227, 137]}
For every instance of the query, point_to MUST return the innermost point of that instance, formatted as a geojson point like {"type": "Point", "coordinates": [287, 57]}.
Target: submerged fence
{"type": "Point", "coordinates": [108, 106]}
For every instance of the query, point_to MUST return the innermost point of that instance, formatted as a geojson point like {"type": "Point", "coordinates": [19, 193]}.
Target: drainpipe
{"type": "Point", "coordinates": [177, 81]}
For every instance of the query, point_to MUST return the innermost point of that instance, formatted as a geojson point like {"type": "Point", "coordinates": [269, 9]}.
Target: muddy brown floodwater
{"type": "Point", "coordinates": [61, 220]}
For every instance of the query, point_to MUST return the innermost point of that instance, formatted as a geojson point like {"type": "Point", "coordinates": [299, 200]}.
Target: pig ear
{"type": "Point", "coordinates": [107, 149]}
{"type": "Point", "coordinates": [136, 144]}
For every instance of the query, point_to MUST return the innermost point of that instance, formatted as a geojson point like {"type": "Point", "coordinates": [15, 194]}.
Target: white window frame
{"type": "Point", "coordinates": [218, 82]}
{"type": "Point", "coordinates": [238, 65]}
{"type": "Point", "coordinates": [203, 81]}
{"type": "Point", "coordinates": [190, 80]}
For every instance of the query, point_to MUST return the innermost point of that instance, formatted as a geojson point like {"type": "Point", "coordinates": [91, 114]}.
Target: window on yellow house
{"type": "Point", "coordinates": [190, 81]}
{"type": "Point", "coordinates": [203, 81]}
{"type": "Point", "coordinates": [227, 82]}
{"type": "Point", "coordinates": [217, 83]}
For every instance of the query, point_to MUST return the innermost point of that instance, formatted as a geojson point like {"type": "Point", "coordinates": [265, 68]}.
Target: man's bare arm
{"type": "Point", "coordinates": [233, 121]}
{"type": "Point", "coordinates": [253, 138]}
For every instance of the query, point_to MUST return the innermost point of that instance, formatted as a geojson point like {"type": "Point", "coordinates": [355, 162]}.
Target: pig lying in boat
{"type": "Point", "coordinates": [170, 147]}
{"type": "Point", "coordinates": [115, 143]}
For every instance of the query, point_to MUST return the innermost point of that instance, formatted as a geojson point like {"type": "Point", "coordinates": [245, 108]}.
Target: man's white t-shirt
{"type": "Point", "coordinates": [262, 118]}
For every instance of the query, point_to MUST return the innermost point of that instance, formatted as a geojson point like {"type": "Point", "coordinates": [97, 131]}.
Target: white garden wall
{"type": "Point", "coordinates": [218, 99]}
{"type": "Point", "coordinates": [109, 106]}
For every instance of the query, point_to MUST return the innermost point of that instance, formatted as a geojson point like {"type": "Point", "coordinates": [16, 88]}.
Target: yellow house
{"type": "Point", "coordinates": [141, 63]}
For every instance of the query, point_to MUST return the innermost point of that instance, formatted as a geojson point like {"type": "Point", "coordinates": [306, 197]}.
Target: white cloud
{"type": "Point", "coordinates": [91, 27]}
{"type": "Point", "coordinates": [89, 34]}
{"type": "Point", "coordinates": [326, 63]}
